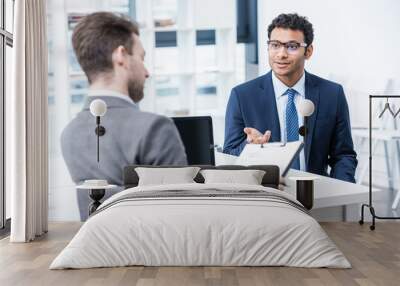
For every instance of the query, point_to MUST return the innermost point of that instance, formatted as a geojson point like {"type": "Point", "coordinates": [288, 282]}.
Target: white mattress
{"type": "Point", "coordinates": [183, 231]}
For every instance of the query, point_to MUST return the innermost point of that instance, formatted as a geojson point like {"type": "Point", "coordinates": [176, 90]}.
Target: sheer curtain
{"type": "Point", "coordinates": [26, 122]}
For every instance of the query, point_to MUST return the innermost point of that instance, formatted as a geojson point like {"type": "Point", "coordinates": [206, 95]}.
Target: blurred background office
{"type": "Point", "coordinates": [197, 50]}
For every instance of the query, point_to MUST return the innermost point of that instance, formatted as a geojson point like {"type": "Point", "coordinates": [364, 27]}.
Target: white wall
{"type": "Point", "coordinates": [356, 43]}
{"type": "Point", "coordinates": [355, 38]}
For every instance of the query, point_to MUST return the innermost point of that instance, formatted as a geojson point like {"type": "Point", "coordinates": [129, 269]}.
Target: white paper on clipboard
{"type": "Point", "coordinates": [278, 153]}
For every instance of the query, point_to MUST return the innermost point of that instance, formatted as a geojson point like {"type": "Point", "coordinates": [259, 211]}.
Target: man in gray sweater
{"type": "Point", "coordinates": [110, 53]}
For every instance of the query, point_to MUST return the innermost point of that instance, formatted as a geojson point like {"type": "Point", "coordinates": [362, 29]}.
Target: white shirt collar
{"type": "Point", "coordinates": [280, 88]}
{"type": "Point", "coordinates": [110, 93]}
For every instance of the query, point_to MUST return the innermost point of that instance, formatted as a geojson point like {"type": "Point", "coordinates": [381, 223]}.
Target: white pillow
{"type": "Point", "coordinates": [248, 177]}
{"type": "Point", "coordinates": [165, 176]}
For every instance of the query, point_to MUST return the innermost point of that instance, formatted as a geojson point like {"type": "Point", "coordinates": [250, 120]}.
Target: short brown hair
{"type": "Point", "coordinates": [95, 38]}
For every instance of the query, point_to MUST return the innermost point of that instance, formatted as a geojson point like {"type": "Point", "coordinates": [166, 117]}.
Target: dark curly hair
{"type": "Point", "coordinates": [293, 22]}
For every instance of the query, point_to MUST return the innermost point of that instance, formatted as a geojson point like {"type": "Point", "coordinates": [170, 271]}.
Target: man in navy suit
{"type": "Point", "coordinates": [265, 109]}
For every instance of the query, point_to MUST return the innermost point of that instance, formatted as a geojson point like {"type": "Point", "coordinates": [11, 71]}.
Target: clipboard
{"type": "Point", "coordinates": [280, 154]}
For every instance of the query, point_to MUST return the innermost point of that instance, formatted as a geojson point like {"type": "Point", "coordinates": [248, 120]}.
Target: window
{"type": "Point", "coordinates": [6, 44]}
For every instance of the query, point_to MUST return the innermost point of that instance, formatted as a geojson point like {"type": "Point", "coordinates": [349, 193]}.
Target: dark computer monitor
{"type": "Point", "coordinates": [197, 137]}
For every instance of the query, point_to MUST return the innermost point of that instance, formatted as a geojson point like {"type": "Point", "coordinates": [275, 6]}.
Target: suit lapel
{"type": "Point", "coordinates": [271, 114]}
{"type": "Point", "coordinates": [312, 93]}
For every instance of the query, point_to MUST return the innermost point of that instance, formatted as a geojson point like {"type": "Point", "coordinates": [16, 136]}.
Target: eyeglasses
{"type": "Point", "coordinates": [291, 47]}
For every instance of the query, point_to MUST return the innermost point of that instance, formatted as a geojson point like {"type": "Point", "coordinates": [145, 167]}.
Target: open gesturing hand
{"type": "Point", "coordinates": [256, 137]}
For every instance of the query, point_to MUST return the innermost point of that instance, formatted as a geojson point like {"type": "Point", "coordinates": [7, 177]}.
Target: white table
{"type": "Point", "coordinates": [333, 199]}
{"type": "Point", "coordinates": [330, 192]}
{"type": "Point", "coordinates": [340, 196]}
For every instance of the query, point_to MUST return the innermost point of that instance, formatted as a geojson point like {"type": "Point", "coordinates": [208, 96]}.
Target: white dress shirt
{"type": "Point", "coordinates": [110, 93]}
{"type": "Point", "coordinates": [281, 101]}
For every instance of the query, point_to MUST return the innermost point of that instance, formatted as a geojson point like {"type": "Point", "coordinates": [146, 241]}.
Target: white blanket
{"type": "Point", "coordinates": [183, 231]}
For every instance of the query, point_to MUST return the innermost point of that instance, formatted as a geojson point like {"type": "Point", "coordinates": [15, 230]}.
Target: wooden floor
{"type": "Point", "coordinates": [374, 255]}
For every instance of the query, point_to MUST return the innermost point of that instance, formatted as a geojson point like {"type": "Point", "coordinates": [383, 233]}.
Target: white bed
{"type": "Point", "coordinates": [264, 228]}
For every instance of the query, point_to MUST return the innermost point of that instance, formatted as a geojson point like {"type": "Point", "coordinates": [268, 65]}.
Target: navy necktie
{"type": "Point", "coordinates": [292, 123]}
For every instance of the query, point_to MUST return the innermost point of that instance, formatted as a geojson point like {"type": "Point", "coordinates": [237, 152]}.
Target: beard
{"type": "Point", "coordinates": [135, 90]}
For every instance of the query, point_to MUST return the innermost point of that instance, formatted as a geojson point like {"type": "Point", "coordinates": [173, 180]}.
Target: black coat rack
{"type": "Point", "coordinates": [370, 206]}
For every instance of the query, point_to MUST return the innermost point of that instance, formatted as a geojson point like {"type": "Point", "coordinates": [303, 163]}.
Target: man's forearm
{"type": "Point", "coordinates": [344, 169]}
{"type": "Point", "coordinates": [234, 150]}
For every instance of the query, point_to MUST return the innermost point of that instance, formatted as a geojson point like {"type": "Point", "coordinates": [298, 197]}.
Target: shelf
{"type": "Point", "coordinates": [216, 71]}
{"type": "Point", "coordinates": [183, 29]}
{"type": "Point", "coordinates": [76, 73]}
{"type": "Point", "coordinates": [166, 29]}
{"type": "Point", "coordinates": [172, 73]}
{"type": "Point", "coordinates": [190, 73]}
{"type": "Point", "coordinates": [178, 72]}
{"type": "Point", "coordinates": [211, 112]}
